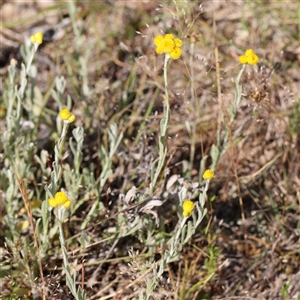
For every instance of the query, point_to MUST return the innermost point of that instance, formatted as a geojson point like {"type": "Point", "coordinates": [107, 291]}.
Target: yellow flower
{"type": "Point", "coordinates": [188, 207]}
{"type": "Point", "coordinates": [249, 58]}
{"type": "Point", "coordinates": [67, 116]}
{"type": "Point", "coordinates": [249, 52]}
{"type": "Point", "coordinates": [243, 59]}
{"type": "Point", "coordinates": [168, 44]}
{"type": "Point", "coordinates": [67, 203]}
{"type": "Point", "coordinates": [208, 174]}
{"type": "Point", "coordinates": [64, 114]}
{"type": "Point", "coordinates": [60, 199]}
{"type": "Point", "coordinates": [176, 53]}
{"type": "Point", "coordinates": [159, 40]}
{"type": "Point", "coordinates": [178, 42]}
{"type": "Point", "coordinates": [37, 38]}
{"type": "Point", "coordinates": [253, 59]}
{"type": "Point", "coordinates": [169, 36]}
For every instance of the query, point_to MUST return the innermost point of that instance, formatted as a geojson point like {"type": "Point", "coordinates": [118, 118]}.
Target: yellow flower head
{"type": "Point", "coordinates": [188, 207]}
{"type": "Point", "coordinates": [249, 58]}
{"type": "Point", "coordinates": [176, 53]}
{"type": "Point", "coordinates": [158, 40]}
{"type": "Point", "coordinates": [66, 116]}
{"type": "Point", "coordinates": [178, 42]}
{"type": "Point", "coordinates": [208, 175]}
{"type": "Point", "coordinates": [37, 38]}
{"type": "Point", "coordinates": [60, 199]}
{"type": "Point", "coordinates": [168, 44]}
{"type": "Point", "coordinates": [169, 36]}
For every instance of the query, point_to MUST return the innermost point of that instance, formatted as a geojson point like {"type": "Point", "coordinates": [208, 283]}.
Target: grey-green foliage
{"type": "Point", "coordinates": [106, 158]}
{"type": "Point", "coordinates": [58, 92]}
{"type": "Point", "coordinates": [78, 293]}
{"type": "Point", "coordinates": [182, 232]}
{"type": "Point", "coordinates": [83, 53]}
{"type": "Point", "coordinates": [19, 138]}
{"type": "Point", "coordinates": [22, 253]}
{"type": "Point", "coordinates": [181, 235]}
{"type": "Point", "coordinates": [54, 184]}
{"type": "Point", "coordinates": [73, 178]}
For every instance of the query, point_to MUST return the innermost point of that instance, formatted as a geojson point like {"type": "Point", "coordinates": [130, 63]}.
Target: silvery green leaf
{"type": "Point", "coordinates": [202, 167]}
{"type": "Point", "coordinates": [182, 194]}
{"type": "Point", "coordinates": [78, 134]}
{"type": "Point", "coordinates": [214, 153]}
{"type": "Point", "coordinates": [163, 127]}
{"type": "Point", "coordinates": [60, 84]}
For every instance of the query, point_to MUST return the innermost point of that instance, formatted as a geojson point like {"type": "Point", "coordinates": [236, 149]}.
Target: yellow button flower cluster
{"type": "Point", "coordinates": [249, 58]}
{"type": "Point", "coordinates": [168, 44]}
{"type": "Point", "coordinates": [66, 116]}
{"type": "Point", "coordinates": [37, 38]}
{"type": "Point", "coordinates": [60, 199]}
{"type": "Point", "coordinates": [188, 207]}
{"type": "Point", "coordinates": [208, 175]}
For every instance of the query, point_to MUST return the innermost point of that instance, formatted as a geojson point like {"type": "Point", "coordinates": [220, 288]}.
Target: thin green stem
{"type": "Point", "coordinates": [167, 111]}
{"type": "Point", "coordinates": [62, 244]}
{"type": "Point", "coordinates": [158, 164]}
{"type": "Point", "coordinates": [175, 241]}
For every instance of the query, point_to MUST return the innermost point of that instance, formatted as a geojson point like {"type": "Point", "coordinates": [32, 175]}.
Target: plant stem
{"type": "Point", "coordinates": [158, 164]}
